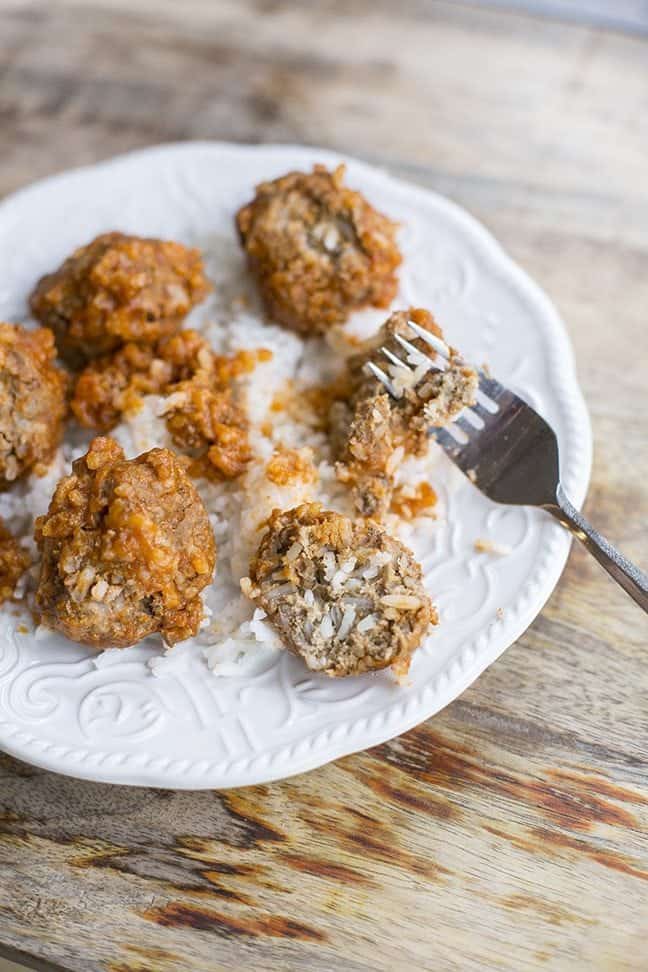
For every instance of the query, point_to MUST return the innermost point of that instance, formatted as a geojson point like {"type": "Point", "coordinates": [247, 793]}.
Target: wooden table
{"type": "Point", "coordinates": [509, 832]}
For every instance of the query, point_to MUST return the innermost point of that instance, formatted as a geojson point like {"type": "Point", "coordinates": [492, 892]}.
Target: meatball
{"type": "Point", "coordinates": [371, 431]}
{"type": "Point", "coordinates": [344, 596]}
{"type": "Point", "coordinates": [14, 561]}
{"type": "Point", "coordinates": [126, 549]}
{"type": "Point", "coordinates": [202, 415]}
{"type": "Point", "coordinates": [207, 424]}
{"type": "Point", "coordinates": [318, 249]}
{"type": "Point", "coordinates": [113, 385]}
{"type": "Point", "coordinates": [116, 289]}
{"type": "Point", "coordinates": [32, 401]}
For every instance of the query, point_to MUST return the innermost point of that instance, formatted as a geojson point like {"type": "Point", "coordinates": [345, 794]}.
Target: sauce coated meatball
{"type": "Point", "coordinates": [32, 401]}
{"type": "Point", "coordinates": [318, 249]}
{"type": "Point", "coordinates": [371, 431]}
{"type": "Point", "coordinates": [126, 549]}
{"type": "Point", "coordinates": [344, 596]}
{"type": "Point", "coordinates": [116, 289]}
{"type": "Point", "coordinates": [14, 561]}
{"type": "Point", "coordinates": [202, 414]}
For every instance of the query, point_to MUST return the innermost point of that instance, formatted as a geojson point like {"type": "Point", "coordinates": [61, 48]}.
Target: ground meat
{"type": "Point", "coordinates": [14, 561]}
{"type": "Point", "coordinates": [371, 431]}
{"type": "Point", "coordinates": [117, 289]}
{"type": "Point", "coordinates": [201, 413]}
{"type": "Point", "coordinates": [32, 401]}
{"type": "Point", "coordinates": [208, 424]}
{"type": "Point", "coordinates": [343, 595]}
{"type": "Point", "coordinates": [126, 549]}
{"type": "Point", "coordinates": [318, 249]}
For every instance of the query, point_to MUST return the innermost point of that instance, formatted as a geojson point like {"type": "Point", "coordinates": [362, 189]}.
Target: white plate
{"type": "Point", "coordinates": [118, 722]}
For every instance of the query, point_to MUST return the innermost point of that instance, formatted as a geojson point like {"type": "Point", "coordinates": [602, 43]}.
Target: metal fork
{"type": "Point", "coordinates": [511, 454]}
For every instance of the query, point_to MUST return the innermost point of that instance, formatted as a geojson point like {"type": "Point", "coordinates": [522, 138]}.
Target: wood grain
{"type": "Point", "coordinates": [626, 15]}
{"type": "Point", "coordinates": [509, 832]}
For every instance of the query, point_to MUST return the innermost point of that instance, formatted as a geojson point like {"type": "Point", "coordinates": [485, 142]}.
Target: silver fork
{"type": "Point", "coordinates": [511, 454]}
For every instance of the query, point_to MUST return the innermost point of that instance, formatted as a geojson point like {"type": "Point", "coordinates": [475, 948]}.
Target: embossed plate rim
{"type": "Point", "coordinates": [349, 736]}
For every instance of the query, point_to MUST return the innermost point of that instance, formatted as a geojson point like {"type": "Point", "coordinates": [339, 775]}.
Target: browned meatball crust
{"type": "Point", "coordinates": [318, 249]}
{"type": "Point", "coordinates": [344, 595]}
{"type": "Point", "coordinates": [32, 401]}
{"type": "Point", "coordinates": [209, 426]}
{"type": "Point", "coordinates": [116, 289]}
{"type": "Point", "coordinates": [369, 427]}
{"type": "Point", "coordinates": [126, 549]}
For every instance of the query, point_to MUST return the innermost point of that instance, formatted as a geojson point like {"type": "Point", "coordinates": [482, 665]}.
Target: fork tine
{"type": "Point", "coordinates": [383, 379]}
{"type": "Point", "coordinates": [465, 455]}
{"type": "Point", "coordinates": [448, 443]}
{"type": "Point", "coordinates": [472, 418]}
{"type": "Point", "coordinates": [435, 361]}
{"type": "Point", "coordinates": [410, 348]}
{"type": "Point", "coordinates": [394, 359]}
{"type": "Point", "coordinates": [459, 432]}
{"type": "Point", "coordinates": [439, 346]}
{"type": "Point", "coordinates": [419, 357]}
{"type": "Point", "coordinates": [484, 404]}
{"type": "Point", "coordinates": [479, 409]}
{"type": "Point", "coordinates": [464, 422]}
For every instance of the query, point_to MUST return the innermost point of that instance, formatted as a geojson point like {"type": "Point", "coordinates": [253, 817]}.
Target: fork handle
{"type": "Point", "coordinates": [625, 573]}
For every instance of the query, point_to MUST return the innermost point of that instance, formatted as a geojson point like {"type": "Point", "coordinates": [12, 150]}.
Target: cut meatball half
{"type": "Point", "coordinates": [343, 595]}
{"type": "Point", "coordinates": [126, 549]}
{"type": "Point", "coordinates": [32, 401]}
{"type": "Point", "coordinates": [116, 289]}
{"type": "Point", "coordinates": [318, 249]}
{"type": "Point", "coordinates": [371, 431]}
